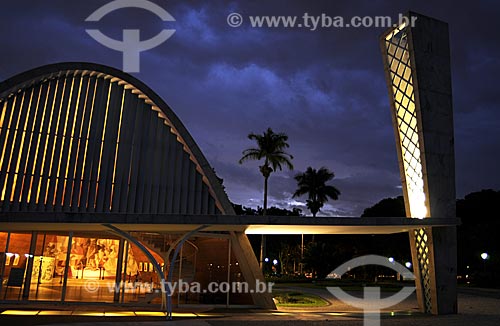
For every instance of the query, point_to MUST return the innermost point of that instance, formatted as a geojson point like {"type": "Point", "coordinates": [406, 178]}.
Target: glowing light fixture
{"type": "Point", "coordinates": [20, 312]}
{"type": "Point", "coordinates": [406, 117]}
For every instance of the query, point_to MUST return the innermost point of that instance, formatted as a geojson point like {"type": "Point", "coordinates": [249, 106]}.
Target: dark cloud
{"type": "Point", "coordinates": [325, 88]}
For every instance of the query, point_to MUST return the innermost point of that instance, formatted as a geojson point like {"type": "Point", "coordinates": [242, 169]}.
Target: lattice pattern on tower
{"type": "Point", "coordinates": [398, 58]}
{"type": "Point", "coordinates": [422, 249]}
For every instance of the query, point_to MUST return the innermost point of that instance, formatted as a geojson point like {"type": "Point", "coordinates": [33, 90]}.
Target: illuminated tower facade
{"type": "Point", "coordinates": [417, 69]}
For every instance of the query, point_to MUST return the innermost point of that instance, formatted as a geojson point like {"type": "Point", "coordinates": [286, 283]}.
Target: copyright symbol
{"type": "Point", "coordinates": [91, 286]}
{"type": "Point", "coordinates": [234, 19]}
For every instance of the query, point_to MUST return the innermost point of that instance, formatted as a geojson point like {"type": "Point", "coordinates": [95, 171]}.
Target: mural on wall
{"type": "Point", "coordinates": [89, 258]}
{"type": "Point", "coordinates": [43, 269]}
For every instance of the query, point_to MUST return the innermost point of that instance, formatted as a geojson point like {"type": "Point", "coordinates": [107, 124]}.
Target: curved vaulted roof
{"type": "Point", "coordinates": [82, 137]}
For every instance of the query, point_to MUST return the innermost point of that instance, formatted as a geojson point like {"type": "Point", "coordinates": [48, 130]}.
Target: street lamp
{"type": "Point", "coordinates": [391, 260]}
{"type": "Point", "coordinates": [275, 262]}
{"type": "Point", "coordinates": [266, 260]}
{"type": "Point", "coordinates": [485, 256]}
{"type": "Point", "coordinates": [408, 264]}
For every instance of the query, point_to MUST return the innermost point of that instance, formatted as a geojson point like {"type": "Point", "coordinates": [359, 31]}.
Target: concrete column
{"type": "Point", "coordinates": [250, 269]}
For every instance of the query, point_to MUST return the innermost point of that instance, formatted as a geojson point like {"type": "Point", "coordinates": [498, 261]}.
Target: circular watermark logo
{"type": "Point", "coordinates": [372, 303]}
{"type": "Point", "coordinates": [234, 19]}
{"type": "Point", "coordinates": [91, 286]}
{"type": "Point", "coordinates": [131, 45]}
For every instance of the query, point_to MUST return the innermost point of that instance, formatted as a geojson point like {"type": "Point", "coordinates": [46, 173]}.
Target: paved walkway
{"type": "Point", "coordinates": [475, 309]}
{"type": "Point", "coordinates": [408, 305]}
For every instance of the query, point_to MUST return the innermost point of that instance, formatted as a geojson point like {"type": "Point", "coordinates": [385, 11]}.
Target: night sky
{"type": "Point", "coordinates": [324, 88]}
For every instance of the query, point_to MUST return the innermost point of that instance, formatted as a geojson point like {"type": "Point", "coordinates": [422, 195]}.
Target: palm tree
{"type": "Point", "coordinates": [313, 182]}
{"type": "Point", "coordinates": [271, 148]}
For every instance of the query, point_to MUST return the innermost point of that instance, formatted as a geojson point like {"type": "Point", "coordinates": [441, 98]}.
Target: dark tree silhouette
{"type": "Point", "coordinates": [387, 207]}
{"type": "Point", "coordinates": [313, 183]}
{"type": "Point", "coordinates": [271, 148]}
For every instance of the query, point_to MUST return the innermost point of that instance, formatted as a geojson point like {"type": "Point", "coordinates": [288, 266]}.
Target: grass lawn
{"type": "Point", "coordinates": [298, 299]}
